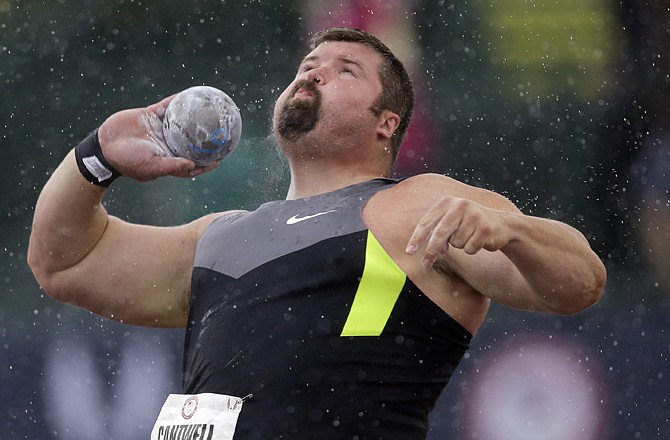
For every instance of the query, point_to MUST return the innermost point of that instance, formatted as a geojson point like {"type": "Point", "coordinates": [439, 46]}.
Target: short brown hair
{"type": "Point", "coordinates": [397, 93]}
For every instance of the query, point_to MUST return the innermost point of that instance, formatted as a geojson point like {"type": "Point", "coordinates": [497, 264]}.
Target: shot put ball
{"type": "Point", "coordinates": [202, 124]}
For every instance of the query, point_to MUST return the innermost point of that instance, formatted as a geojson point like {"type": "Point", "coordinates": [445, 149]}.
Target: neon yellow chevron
{"type": "Point", "coordinates": [377, 292]}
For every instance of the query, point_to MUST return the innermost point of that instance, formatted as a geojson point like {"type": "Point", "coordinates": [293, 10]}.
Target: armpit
{"type": "Point", "coordinates": [443, 267]}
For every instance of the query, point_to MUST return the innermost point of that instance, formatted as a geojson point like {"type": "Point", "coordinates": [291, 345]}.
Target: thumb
{"type": "Point", "coordinates": [160, 107]}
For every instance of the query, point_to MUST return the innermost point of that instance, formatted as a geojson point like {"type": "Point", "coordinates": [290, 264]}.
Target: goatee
{"type": "Point", "coordinates": [299, 116]}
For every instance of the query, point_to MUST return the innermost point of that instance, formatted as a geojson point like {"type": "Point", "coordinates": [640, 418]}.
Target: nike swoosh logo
{"type": "Point", "coordinates": [295, 219]}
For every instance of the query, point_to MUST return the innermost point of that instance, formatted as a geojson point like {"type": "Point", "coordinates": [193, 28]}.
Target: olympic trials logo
{"type": "Point", "coordinates": [189, 407]}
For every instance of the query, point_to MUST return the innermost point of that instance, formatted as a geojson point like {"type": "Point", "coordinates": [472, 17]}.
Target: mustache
{"type": "Point", "coordinates": [308, 85]}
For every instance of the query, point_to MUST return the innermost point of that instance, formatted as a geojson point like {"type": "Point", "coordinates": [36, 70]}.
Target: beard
{"type": "Point", "coordinates": [299, 116]}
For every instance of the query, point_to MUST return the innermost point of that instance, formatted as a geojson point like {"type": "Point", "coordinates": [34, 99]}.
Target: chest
{"type": "Point", "coordinates": [276, 230]}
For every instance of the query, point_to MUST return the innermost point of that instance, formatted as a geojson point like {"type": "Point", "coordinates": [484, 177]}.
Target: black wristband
{"type": "Point", "coordinates": [92, 164]}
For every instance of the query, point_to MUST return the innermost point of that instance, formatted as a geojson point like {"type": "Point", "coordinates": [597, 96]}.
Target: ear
{"type": "Point", "coordinates": [388, 124]}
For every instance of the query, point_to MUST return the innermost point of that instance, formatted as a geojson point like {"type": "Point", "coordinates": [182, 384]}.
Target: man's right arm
{"type": "Point", "coordinates": [81, 255]}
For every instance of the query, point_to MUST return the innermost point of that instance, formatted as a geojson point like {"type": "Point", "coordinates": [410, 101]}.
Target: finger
{"type": "Point", "coordinates": [421, 231]}
{"type": "Point", "coordinates": [477, 240]}
{"type": "Point", "coordinates": [167, 166]}
{"type": "Point", "coordinates": [198, 170]}
{"type": "Point", "coordinates": [463, 234]}
{"type": "Point", "coordinates": [160, 107]}
{"type": "Point", "coordinates": [426, 224]}
{"type": "Point", "coordinates": [195, 171]}
{"type": "Point", "coordinates": [438, 242]}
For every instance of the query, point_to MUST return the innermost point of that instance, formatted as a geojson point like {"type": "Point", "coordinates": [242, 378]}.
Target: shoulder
{"type": "Point", "coordinates": [199, 226]}
{"type": "Point", "coordinates": [427, 189]}
{"type": "Point", "coordinates": [397, 210]}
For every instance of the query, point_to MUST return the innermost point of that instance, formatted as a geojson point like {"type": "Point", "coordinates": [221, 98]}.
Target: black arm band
{"type": "Point", "coordinates": [92, 164]}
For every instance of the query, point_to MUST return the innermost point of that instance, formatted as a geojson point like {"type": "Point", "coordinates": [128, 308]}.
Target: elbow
{"type": "Point", "coordinates": [50, 277]}
{"type": "Point", "coordinates": [50, 282]}
{"type": "Point", "coordinates": [594, 290]}
{"type": "Point", "coordinates": [578, 304]}
{"type": "Point", "coordinates": [584, 295]}
{"type": "Point", "coordinates": [600, 277]}
{"type": "Point", "coordinates": [59, 287]}
{"type": "Point", "coordinates": [39, 266]}
{"type": "Point", "coordinates": [39, 270]}
{"type": "Point", "coordinates": [49, 285]}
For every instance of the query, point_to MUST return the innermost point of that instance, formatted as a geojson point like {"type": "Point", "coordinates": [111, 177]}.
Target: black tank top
{"type": "Point", "coordinates": [298, 304]}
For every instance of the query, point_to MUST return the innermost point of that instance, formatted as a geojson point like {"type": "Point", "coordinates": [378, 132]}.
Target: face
{"type": "Point", "coordinates": [335, 86]}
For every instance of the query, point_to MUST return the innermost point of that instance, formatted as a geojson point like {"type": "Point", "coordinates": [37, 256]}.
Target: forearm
{"type": "Point", "coordinates": [69, 220]}
{"type": "Point", "coordinates": [556, 262]}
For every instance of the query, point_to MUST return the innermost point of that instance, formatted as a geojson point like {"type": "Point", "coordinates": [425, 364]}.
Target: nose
{"type": "Point", "coordinates": [316, 75]}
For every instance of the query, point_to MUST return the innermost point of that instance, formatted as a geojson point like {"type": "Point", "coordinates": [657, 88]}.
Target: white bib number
{"type": "Point", "coordinates": [204, 416]}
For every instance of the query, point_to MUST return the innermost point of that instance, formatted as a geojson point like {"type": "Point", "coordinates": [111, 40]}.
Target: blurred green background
{"type": "Point", "coordinates": [550, 103]}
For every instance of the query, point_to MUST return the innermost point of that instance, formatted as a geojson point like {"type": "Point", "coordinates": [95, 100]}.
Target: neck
{"type": "Point", "coordinates": [318, 167]}
{"type": "Point", "coordinates": [319, 177]}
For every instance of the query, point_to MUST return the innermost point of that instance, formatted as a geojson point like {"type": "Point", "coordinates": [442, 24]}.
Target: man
{"type": "Point", "coordinates": [343, 309]}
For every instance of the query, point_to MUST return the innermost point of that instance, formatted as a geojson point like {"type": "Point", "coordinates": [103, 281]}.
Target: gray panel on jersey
{"type": "Point", "coordinates": [234, 245]}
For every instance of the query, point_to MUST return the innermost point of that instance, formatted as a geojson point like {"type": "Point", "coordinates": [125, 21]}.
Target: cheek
{"type": "Point", "coordinates": [286, 92]}
{"type": "Point", "coordinates": [351, 98]}
{"type": "Point", "coordinates": [280, 102]}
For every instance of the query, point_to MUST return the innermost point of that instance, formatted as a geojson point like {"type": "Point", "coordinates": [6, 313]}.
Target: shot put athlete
{"type": "Point", "coordinates": [342, 310]}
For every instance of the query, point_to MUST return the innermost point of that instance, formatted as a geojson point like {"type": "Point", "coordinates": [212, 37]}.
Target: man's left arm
{"type": "Point", "coordinates": [517, 260]}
